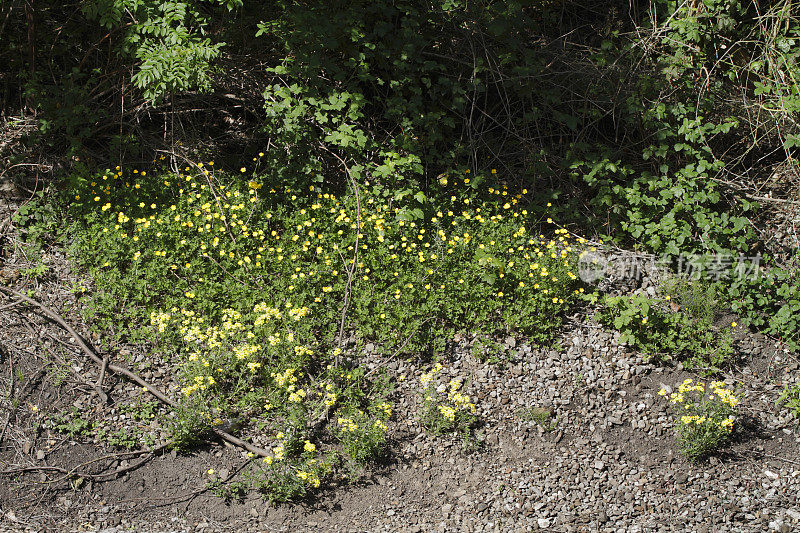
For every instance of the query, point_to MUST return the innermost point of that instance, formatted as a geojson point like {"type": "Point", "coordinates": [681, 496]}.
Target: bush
{"type": "Point", "coordinates": [444, 409]}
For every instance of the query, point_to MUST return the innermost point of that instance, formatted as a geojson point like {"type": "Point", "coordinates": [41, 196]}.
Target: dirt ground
{"type": "Point", "coordinates": [609, 435]}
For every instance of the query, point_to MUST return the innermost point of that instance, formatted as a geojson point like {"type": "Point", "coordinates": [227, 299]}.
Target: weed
{"type": "Point", "coordinates": [244, 282]}
{"type": "Point", "coordinates": [791, 399]}
{"type": "Point", "coordinates": [444, 408]}
{"type": "Point", "coordinates": [72, 424]}
{"type": "Point", "coordinates": [664, 329]}
{"type": "Point", "coordinates": [232, 491]}
{"type": "Point", "coordinates": [540, 415]}
{"type": "Point", "coordinates": [37, 271]}
{"type": "Point", "coordinates": [705, 416]}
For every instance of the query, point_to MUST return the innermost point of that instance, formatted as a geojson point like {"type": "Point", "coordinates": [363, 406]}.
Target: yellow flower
{"type": "Point", "coordinates": [447, 412]}
{"type": "Point", "coordinates": [676, 398]}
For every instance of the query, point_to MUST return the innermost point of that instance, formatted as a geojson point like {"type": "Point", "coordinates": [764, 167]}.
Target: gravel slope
{"type": "Point", "coordinates": [608, 461]}
{"type": "Point", "coordinates": [609, 464]}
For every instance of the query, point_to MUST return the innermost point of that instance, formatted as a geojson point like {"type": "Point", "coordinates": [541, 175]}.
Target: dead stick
{"type": "Point", "coordinates": [74, 472]}
{"type": "Point", "coordinates": [100, 391]}
{"type": "Point", "coordinates": [351, 270]}
{"type": "Point", "coordinates": [9, 306]}
{"type": "Point", "coordinates": [125, 372]}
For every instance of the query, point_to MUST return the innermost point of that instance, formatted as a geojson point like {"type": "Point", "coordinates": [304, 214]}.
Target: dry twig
{"type": "Point", "coordinates": [92, 354]}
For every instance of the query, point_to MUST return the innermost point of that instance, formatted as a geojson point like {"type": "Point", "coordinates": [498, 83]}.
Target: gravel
{"type": "Point", "coordinates": [608, 461]}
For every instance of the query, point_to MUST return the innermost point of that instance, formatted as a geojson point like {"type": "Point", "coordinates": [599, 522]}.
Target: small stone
{"type": "Point", "coordinates": [447, 509]}
{"type": "Point", "coordinates": [599, 465]}
{"type": "Point", "coordinates": [544, 523]}
{"type": "Point", "coordinates": [40, 455]}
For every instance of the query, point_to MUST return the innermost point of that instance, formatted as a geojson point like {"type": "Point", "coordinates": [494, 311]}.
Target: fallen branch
{"type": "Point", "coordinates": [92, 354]}
{"type": "Point", "coordinates": [9, 306]}
{"type": "Point", "coordinates": [76, 473]}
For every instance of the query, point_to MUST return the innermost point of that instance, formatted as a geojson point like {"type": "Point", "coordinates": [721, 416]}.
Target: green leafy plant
{"type": "Point", "coordinates": [230, 491]}
{"type": "Point", "coordinates": [73, 424]}
{"type": "Point", "coordinates": [704, 416]}
{"type": "Point", "coordinates": [790, 397]}
{"type": "Point", "coordinates": [362, 434]}
{"type": "Point", "coordinates": [678, 326]}
{"type": "Point", "coordinates": [542, 416]}
{"type": "Point", "coordinates": [295, 469]}
{"type": "Point", "coordinates": [443, 408]}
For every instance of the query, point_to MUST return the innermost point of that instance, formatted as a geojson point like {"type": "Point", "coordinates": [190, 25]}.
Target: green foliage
{"type": "Point", "coordinates": [296, 468]}
{"type": "Point", "coordinates": [665, 191]}
{"type": "Point", "coordinates": [37, 271]}
{"type": "Point", "coordinates": [231, 491]}
{"type": "Point", "coordinates": [363, 434]}
{"type": "Point", "coordinates": [70, 423]}
{"type": "Point", "coordinates": [38, 219]}
{"type": "Point", "coordinates": [244, 284]}
{"type": "Point", "coordinates": [790, 397]}
{"type": "Point", "coordinates": [476, 260]}
{"type": "Point", "coordinates": [540, 415]}
{"type": "Point", "coordinates": [678, 326]}
{"type": "Point", "coordinates": [167, 39]}
{"type": "Point", "coordinates": [669, 209]}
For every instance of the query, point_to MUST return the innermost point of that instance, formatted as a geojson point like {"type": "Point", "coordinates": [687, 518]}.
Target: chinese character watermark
{"type": "Point", "coordinates": [593, 266]}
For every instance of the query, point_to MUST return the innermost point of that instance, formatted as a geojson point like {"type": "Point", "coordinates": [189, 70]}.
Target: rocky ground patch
{"type": "Point", "coordinates": [573, 437]}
